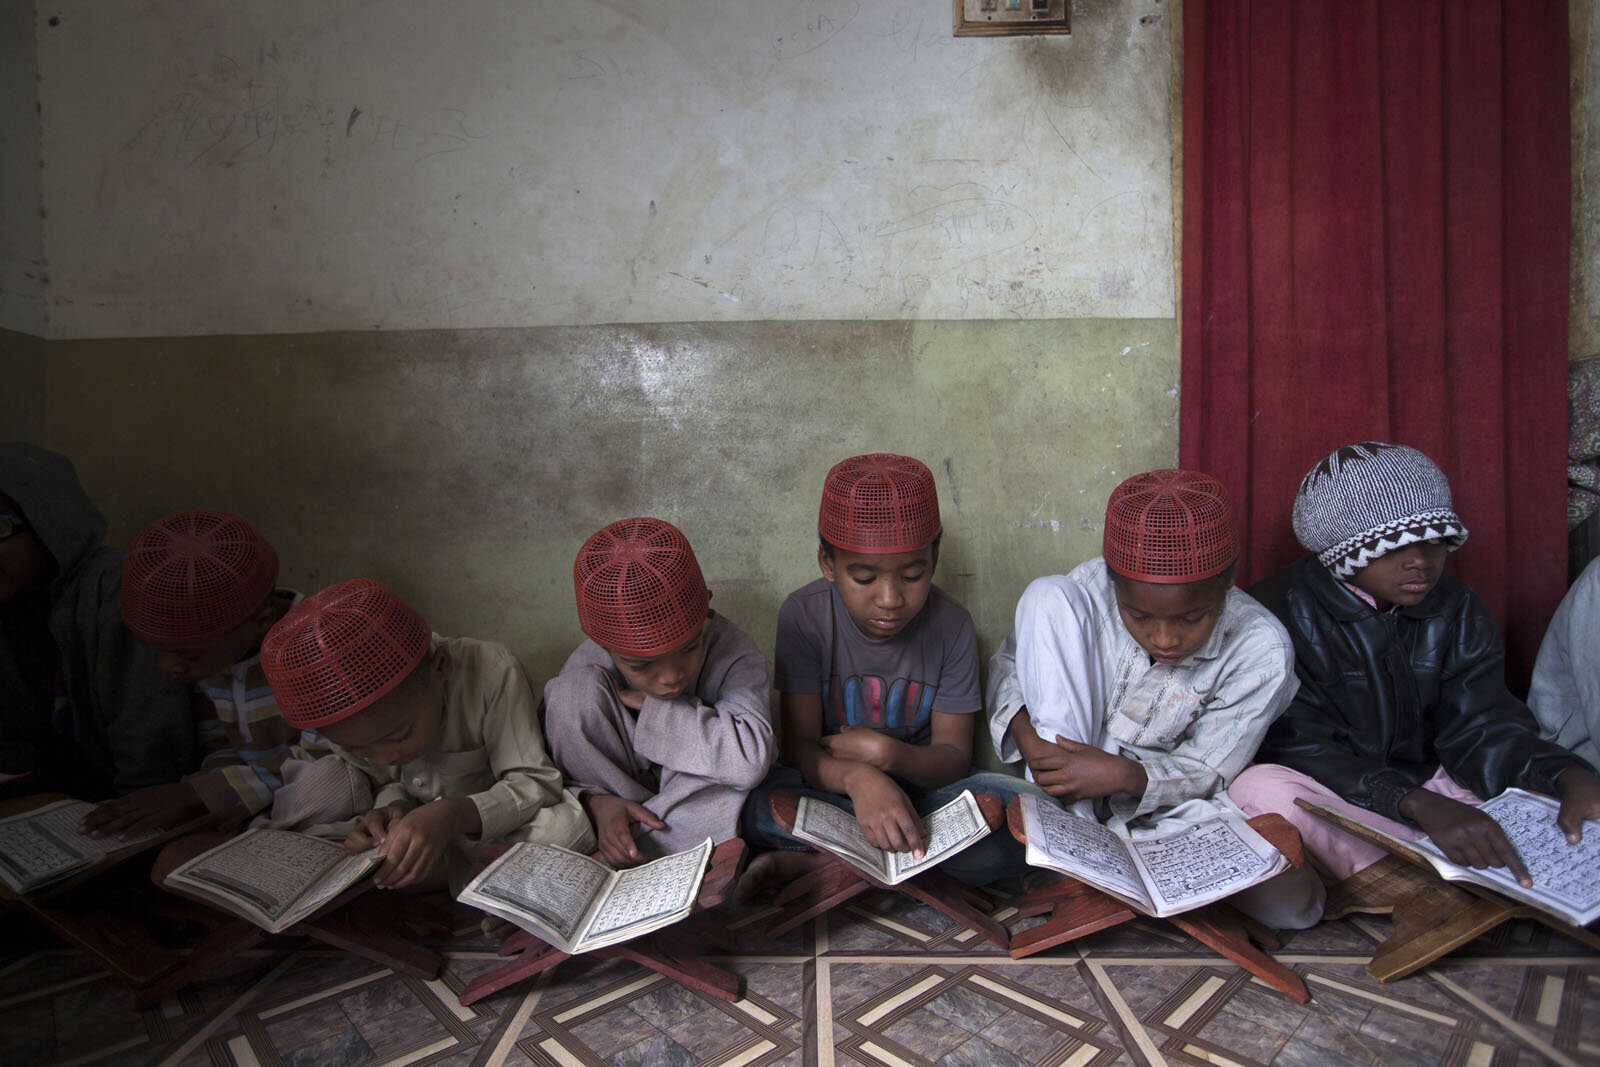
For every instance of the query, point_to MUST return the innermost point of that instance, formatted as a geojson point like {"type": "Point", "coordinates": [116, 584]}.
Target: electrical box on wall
{"type": "Point", "coordinates": [1012, 18]}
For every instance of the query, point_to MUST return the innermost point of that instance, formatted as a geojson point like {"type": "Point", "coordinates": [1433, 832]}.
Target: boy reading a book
{"type": "Point", "coordinates": [1137, 686]}
{"type": "Point", "coordinates": [444, 728]}
{"type": "Point", "coordinates": [877, 675]}
{"type": "Point", "coordinates": [660, 719]}
{"type": "Point", "coordinates": [199, 587]}
{"type": "Point", "coordinates": [1403, 719]}
{"type": "Point", "coordinates": [84, 708]}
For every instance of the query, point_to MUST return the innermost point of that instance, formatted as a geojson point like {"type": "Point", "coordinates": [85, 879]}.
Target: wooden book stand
{"type": "Point", "coordinates": [101, 908]}
{"type": "Point", "coordinates": [1075, 908]}
{"type": "Point", "coordinates": [1432, 916]}
{"type": "Point", "coordinates": [837, 881]}
{"type": "Point", "coordinates": [378, 929]}
{"type": "Point", "coordinates": [673, 951]}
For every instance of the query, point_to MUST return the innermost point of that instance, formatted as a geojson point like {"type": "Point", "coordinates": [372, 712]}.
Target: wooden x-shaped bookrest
{"type": "Point", "coordinates": [1432, 917]}
{"type": "Point", "coordinates": [379, 928]}
{"type": "Point", "coordinates": [1076, 909]}
{"type": "Point", "coordinates": [101, 909]}
{"type": "Point", "coordinates": [673, 951]}
{"type": "Point", "coordinates": [837, 881]}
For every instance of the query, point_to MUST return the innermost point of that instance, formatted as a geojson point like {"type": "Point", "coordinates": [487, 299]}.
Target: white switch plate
{"type": "Point", "coordinates": [1008, 18]}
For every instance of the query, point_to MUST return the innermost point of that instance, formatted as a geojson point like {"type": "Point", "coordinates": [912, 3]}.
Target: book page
{"type": "Point", "coordinates": [1567, 876]}
{"type": "Point", "coordinates": [648, 896]}
{"type": "Point", "coordinates": [1080, 847]}
{"type": "Point", "coordinates": [44, 845]}
{"type": "Point", "coordinates": [554, 885]}
{"type": "Point", "coordinates": [266, 870]}
{"type": "Point", "coordinates": [950, 829]}
{"type": "Point", "coordinates": [340, 877]}
{"type": "Point", "coordinates": [836, 830]}
{"type": "Point", "coordinates": [1202, 862]}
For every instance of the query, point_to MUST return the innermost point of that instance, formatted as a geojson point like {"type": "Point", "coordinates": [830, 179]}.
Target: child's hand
{"type": "Point", "coordinates": [373, 828]}
{"type": "Point", "coordinates": [613, 820]}
{"type": "Point", "coordinates": [861, 745]}
{"type": "Point", "coordinates": [414, 847]}
{"type": "Point", "coordinates": [158, 807]}
{"type": "Point", "coordinates": [1072, 771]}
{"type": "Point", "coordinates": [1580, 800]}
{"type": "Point", "coordinates": [885, 814]}
{"type": "Point", "coordinates": [1463, 833]}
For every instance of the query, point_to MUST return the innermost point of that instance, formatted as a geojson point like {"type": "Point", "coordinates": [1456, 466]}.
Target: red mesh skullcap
{"type": "Point", "coordinates": [639, 588]}
{"type": "Point", "coordinates": [339, 650]}
{"type": "Point", "coordinates": [193, 575]}
{"type": "Point", "coordinates": [1170, 526]}
{"type": "Point", "coordinates": [879, 504]}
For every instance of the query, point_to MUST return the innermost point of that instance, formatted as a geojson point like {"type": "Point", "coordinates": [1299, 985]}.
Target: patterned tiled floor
{"type": "Point", "coordinates": [879, 982]}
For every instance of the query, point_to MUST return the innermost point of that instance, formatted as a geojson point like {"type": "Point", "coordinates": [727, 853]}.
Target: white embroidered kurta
{"type": "Point", "coordinates": [1192, 725]}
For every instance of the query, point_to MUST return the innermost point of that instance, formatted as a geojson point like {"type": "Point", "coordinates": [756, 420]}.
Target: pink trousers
{"type": "Point", "coordinates": [1337, 854]}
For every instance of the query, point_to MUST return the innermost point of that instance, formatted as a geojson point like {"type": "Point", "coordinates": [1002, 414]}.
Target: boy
{"type": "Point", "coordinates": [1403, 711]}
{"type": "Point", "coordinates": [1565, 692]}
{"type": "Point", "coordinates": [199, 587]}
{"type": "Point", "coordinates": [444, 728]}
{"type": "Point", "coordinates": [84, 708]}
{"type": "Point", "coordinates": [1137, 686]}
{"type": "Point", "coordinates": [660, 719]}
{"type": "Point", "coordinates": [877, 675]}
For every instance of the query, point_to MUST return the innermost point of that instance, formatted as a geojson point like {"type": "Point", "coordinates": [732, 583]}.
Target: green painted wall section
{"type": "Point", "coordinates": [22, 387]}
{"type": "Point", "coordinates": [466, 467]}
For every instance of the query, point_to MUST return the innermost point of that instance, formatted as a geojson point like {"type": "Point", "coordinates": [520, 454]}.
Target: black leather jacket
{"type": "Point", "coordinates": [1387, 697]}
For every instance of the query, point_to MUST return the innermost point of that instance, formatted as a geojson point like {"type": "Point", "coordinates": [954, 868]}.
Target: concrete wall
{"type": "Point", "coordinates": [994, 216]}
{"type": "Point", "coordinates": [302, 165]}
{"type": "Point", "coordinates": [466, 467]}
{"type": "Point", "coordinates": [23, 393]}
{"type": "Point", "coordinates": [23, 271]}
{"type": "Point", "coordinates": [1583, 330]}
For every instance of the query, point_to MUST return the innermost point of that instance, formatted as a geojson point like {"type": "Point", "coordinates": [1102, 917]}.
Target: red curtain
{"type": "Point", "coordinates": [1375, 246]}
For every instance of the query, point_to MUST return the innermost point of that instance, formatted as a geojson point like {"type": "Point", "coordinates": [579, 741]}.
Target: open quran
{"type": "Point", "coordinates": [577, 903]}
{"type": "Point", "coordinates": [1194, 864]}
{"type": "Point", "coordinates": [43, 846]}
{"type": "Point", "coordinates": [1566, 878]}
{"type": "Point", "coordinates": [956, 826]}
{"type": "Point", "coordinates": [274, 878]}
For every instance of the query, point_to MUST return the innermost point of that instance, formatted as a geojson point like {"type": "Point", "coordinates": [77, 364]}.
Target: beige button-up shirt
{"type": "Point", "coordinates": [490, 748]}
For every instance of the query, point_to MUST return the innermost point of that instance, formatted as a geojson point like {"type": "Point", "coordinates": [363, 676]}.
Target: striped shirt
{"type": "Point", "coordinates": [245, 740]}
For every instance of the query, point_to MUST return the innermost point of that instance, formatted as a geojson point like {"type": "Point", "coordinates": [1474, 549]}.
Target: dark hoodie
{"type": "Point", "coordinates": [84, 706]}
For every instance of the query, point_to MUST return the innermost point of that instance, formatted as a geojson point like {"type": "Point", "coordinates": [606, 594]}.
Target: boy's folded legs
{"type": "Point", "coordinates": [1272, 787]}
{"type": "Point", "coordinates": [997, 856]}
{"type": "Point", "coordinates": [1292, 900]}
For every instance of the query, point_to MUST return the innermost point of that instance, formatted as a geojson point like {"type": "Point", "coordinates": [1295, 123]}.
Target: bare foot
{"type": "Point", "coordinates": [772, 869]}
{"type": "Point", "coordinates": [495, 928]}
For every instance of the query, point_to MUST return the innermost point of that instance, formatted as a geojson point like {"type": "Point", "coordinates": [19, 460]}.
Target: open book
{"type": "Point", "coordinates": [274, 878]}
{"type": "Point", "coordinates": [1164, 874]}
{"type": "Point", "coordinates": [1566, 878]}
{"type": "Point", "coordinates": [578, 903]}
{"type": "Point", "coordinates": [950, 829]}
{"type": "Point", "coordinates": [43, 846]}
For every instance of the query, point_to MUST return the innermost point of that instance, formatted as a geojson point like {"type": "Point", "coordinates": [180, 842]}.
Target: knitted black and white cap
{"type": "Point", "coordinates": [1366, 500]}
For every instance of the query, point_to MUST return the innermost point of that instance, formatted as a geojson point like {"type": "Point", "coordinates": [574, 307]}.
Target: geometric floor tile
{"type": "Point", "coordinates": [880, 981]}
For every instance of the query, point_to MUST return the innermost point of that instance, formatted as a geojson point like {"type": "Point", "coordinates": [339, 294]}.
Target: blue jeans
{"type": "Point", "coordinates": [996, 856]}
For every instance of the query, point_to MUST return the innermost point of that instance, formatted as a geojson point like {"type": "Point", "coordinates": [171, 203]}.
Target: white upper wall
{"type": "Point", "coordinates": [215, 166]}
{"type": "Point", "coordinates": [23, 270]}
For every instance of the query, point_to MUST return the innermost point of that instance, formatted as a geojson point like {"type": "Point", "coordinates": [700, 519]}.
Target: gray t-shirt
{"type": "Point", "coordinates": [891, 685]}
